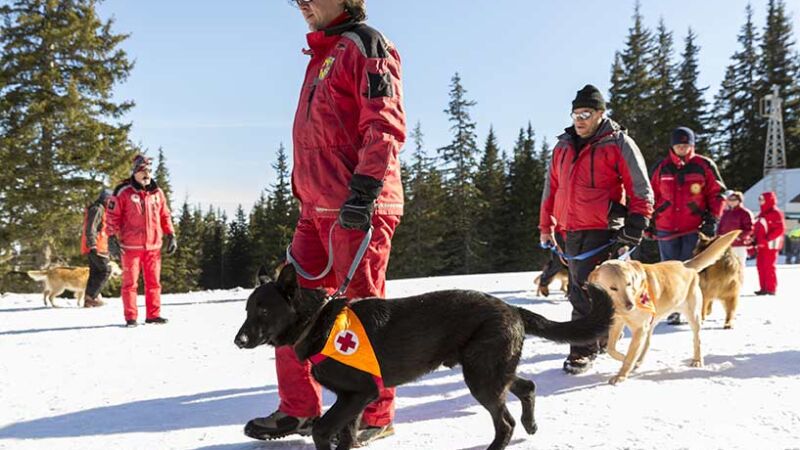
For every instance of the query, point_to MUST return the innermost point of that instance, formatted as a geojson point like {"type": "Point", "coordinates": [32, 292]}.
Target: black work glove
{"type": "Point", "coordinates": [172, 244]}
{"type": "Point", "coordinates": [709, 225]}
{"type": "Point", "coordinates": [113, 247]}
{"type": "Point", "coordinates": [629, 235]}
{"type": "Point", "coordinates": [356, 212]}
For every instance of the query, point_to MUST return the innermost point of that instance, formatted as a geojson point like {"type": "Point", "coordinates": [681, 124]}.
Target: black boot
{"type": "Point", "coordinates": [278, 425]}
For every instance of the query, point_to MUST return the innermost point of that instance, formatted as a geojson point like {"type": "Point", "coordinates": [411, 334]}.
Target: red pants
{"type": "Point", "coordinates": [766, 259]}
{"type": "Point", "coordinates": [300, 394]}
{"type": "Point", "coordinates": [149, 263]}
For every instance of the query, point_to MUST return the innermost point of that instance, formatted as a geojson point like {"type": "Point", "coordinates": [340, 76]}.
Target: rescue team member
{"type": "Point", "coordinates": [768, 235]}
{"type": "Point", "coordinates": [94, 244]}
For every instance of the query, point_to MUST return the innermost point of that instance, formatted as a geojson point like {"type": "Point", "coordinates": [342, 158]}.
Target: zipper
{"type": "Point", "coordinates": [311, 98]}
{"type": "Point", "coordinates": [591, 164]}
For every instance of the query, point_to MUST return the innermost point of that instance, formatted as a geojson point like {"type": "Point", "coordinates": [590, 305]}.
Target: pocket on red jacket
{"type": "Point", "coordinates": [589, 208]}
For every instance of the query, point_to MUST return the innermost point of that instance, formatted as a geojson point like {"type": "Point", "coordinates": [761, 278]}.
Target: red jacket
{"type": "Point", "coordinates": [686, 189]}
{"type": "Point", "coordinates": [94, 234]}
{"type": "Point", "coordinates": [738, 218]}
{"type": "Point", "coordinates": [138, 216]}
{"type": "Point", "coordinates": [769, 227]}
{"type": "Point", "coordinates": [582, 187]}
{"type": "Point", "coordinates": [349, 119]}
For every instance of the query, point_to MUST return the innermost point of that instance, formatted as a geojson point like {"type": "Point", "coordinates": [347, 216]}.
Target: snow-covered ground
{"type": "Point", "coordinates": [76, 379]}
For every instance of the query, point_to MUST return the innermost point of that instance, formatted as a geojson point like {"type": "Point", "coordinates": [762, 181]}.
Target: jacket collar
{"type": "Point", "coordinates": [320, 41]}
{"type": "Point", "coordinates": [149, 188]}
{"type": "Point", "coordinates": [677, 160]}
{"type": "Point", "coordinates": [607, 128]}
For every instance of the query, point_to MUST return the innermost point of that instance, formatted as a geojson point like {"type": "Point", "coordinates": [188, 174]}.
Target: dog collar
{"type": "Point", "coordinates": [349, 344]}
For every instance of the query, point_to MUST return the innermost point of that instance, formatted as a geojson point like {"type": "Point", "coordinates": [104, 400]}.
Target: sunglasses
{"type": "Point", "coordinates": [302, 2]}
{"type": "Point", "coordinates": [585, 115]}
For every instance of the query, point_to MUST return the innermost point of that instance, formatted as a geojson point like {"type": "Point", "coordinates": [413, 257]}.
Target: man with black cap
{"type": "Point", "coordinates": [94, 244]}
{"type": "Point", "coordinates": [688, 199]}
{"type": "Point", "coordinates": [597, 194]}
{"type": "Point", "coordinates": [138, 220]}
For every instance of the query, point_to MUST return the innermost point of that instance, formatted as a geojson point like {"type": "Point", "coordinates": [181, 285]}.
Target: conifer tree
{"type": "Point", "coordinates": [212, 269]}
{"type": "Point", "coordinates": [162, 177]}
{"type": "Point", "coordinates": [664, 113]}
{"type": "Point", "coordinates": [691, 107]}
{"type": "Point", "coordinates": [490, 182]}
{"type": "Point", "coordinates": [238, 253]}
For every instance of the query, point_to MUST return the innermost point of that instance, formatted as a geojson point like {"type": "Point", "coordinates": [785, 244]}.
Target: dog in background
{"type": "Point", "coordinates": [410, 337]}
{"type": "Point", "coordinates": [721, 281]}
{"type": "Point", "coordinates": [644, 294]}
{"type": "Point", "coordinates": [59, 279]}
{"type": "Point", "coordinates": [554, 269]}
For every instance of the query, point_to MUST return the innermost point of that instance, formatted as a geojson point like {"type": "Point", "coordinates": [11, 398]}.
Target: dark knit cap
{"type": "Point", "coordinates": [589, 97]}
{"type": "Point", "coordinates": [682, 135]}
{"type": "Point", "coordinates": [140, 162]}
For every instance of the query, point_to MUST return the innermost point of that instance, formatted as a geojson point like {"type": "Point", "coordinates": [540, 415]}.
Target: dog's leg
{"type": "Point", "coordinates": [707, 302]}
{"type": "Point", "coordinates": [633, 355]}
{"type": "Point", "coordinates": [692, 312]}
{"type": "Point", "coordinates": [46, 293]}
{"type": "Point", "coordinates": [614, 335]}
{"type": "Point", "coordinates": [525, 390]}
{"type": "Point", "coordinates": [53, 295]}
{"type": "Point", "coordinates": [488, 386]}
{"type": "Point", "coordinates": [731, 302]}
{"type": "Point", "coordinates": [80, 295]}
{"type": "Point", "coordinates": [344, 412]}
{"type": "Point", "coordinates": [650, 329]}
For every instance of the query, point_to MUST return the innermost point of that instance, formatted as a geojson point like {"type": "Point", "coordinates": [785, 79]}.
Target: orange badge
{"type": "Point", "coordinates": [348, 343]}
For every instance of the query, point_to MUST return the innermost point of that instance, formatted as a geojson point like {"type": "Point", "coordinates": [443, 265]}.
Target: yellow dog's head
{"type": "Point", "coordinates": [624, 281]}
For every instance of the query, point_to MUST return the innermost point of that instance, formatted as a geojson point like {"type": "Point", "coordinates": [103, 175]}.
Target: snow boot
{"type": "Point", "coordinates": [156, 320]}
{"type": "Point", "coordinates": [278, 425]}
{"type": "Point", "coordinates": [131, 323]}
{"type": "Point", "coordinates": [578, 365]}
{"type": "Point", "coordinates": [90, 302]}
{"type": "Point", "coordinates": [674, 319]}
{"type": "Point", "coordinates": [369, 434]}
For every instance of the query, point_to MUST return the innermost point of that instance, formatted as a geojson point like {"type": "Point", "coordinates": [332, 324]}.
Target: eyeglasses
{"type": "Point", "coordinates": [584, 115]}
{"type": "Point", "coordinates": [302, 2]}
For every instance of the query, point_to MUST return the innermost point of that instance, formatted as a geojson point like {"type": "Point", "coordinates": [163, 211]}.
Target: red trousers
{"type": "Point", "coordinates": [149, 263]}
{"type": "Point", "coordinates": [300, 394]}
{"type": "Point", "coordinates": [766, 259]}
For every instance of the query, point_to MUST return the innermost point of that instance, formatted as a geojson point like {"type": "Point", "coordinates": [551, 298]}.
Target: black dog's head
{"type": "Point", "coordinates": [270, 313]}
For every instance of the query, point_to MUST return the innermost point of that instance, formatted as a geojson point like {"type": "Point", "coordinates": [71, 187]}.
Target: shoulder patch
{"type": "Point", "coordinates": [369, 41]}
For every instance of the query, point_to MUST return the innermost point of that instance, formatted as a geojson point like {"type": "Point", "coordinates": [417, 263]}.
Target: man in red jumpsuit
{"type": "Point", "coordinates": [348, 130]}
{"type": "Point", "coordinates": [138, 218]}
{"type": "Point", "coordinates": [768, 235]}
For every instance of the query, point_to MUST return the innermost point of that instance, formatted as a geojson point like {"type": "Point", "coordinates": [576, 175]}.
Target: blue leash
{"type": "Point", "coordinates": [362, 249]}
{"type": "Point", "coordinates": [579, 257]}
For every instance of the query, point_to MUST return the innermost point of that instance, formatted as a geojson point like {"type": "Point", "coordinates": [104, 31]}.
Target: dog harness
{"type": "Point", "coordinates": [349, 344]}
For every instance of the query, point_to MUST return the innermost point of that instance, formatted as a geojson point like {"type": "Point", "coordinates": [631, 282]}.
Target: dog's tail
{"type": "Point", "coordinates": [713, 252]}
{"type": "Point", "coordinates": [579, 331]}
{"type": "Point", "coordinates": [38, 275]}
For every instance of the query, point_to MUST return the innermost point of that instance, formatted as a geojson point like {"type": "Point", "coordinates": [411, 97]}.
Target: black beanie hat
{"type": "Point", "coordinates": [140, 162]}
{"type": "Point", "coordinates": [682, 135]}
{"type": "Point", "coordinates": [589, 97]}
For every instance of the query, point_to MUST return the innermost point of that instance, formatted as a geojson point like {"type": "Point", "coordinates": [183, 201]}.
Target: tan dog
{"type": "Point", "coordinates": [544, 289]}
{"type": "Point", "coordinates": [59, 279]}
{"type": "Point", "coordinates": [644, 294]}
{"type": "Point", "coordinates": [720, 281]}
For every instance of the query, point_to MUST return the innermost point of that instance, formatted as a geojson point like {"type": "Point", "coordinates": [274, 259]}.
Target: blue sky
{"type": "Point", "coordinates": [216, 83]}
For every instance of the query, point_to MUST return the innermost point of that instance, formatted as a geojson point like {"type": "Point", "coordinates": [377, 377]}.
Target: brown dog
{"type": "Point", "coordinates": [59, 279]}
{"type": "Point", "coordinates": [644, 294]}
{"type": "Point", "coordinates": [720, 281]}
{"type": "Point", "coordinates": [543, 289]}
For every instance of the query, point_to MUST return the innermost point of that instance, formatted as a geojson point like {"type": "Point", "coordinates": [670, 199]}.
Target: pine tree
{"type": "Point", "coordinates": [460, 245]}
{"type": "Point", "coordinates": [664, 118]}
{"type": "Point", "coordinates": [213, 272]}
{"type": "Point", "coordinates": [238, 256]}
{"type": "Point", "coordinates": [417, 243]}
{"type": "Point", "coordinates": [631, 92]}
{"type": "Point", "coordinates": [185, 263]}
{"type": "Point", "coordinates": [61, 135]}
{"type": "Point", "coordinates": [490, 182]}
{"type": "Point", "coordinates": [162, 177]}
{"type": "Point", "coordinates": [691, 107]}
{"type": "Point", "coordinates": [779, 66]}
{"type": "Point", "coordinates": [739, 131]}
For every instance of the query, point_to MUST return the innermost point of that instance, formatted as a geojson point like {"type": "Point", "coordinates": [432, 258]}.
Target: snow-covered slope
{"type": "Point", "coordinates": [76, 379]}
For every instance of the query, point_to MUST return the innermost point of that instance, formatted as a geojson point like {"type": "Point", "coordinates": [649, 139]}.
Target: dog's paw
{"type": "Point", "coordinates": [530, 428]}
{"type": "Point", "coordinates": [697, 363]}
{"type": "Point", "coordinates": [617, 379]}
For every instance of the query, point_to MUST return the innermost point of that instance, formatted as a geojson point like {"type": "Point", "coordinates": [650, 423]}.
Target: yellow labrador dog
{"type": "Point", "coordinates": [59, 279]}
{"type": "Point", "coordinates": [644, 294]}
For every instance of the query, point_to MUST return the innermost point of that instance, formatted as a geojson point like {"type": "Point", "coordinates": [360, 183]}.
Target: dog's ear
{"type": "Point", "coordinates": [263, 276]}
{"type": "Point", "coordinates": [287, 281]}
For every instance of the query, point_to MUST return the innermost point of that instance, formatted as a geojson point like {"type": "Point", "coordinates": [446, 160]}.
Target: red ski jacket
{"type": "Point", "coordinates": [349, 119]}
{"type": "Point", "coordinates": [138, 216]}
{"type": "Point", "coordinates": [585, 188]}
{"type": "Point", "coordinates": [686, 189]}
{"type": "Point", "coordinates": [769, 227]}
{"type": "Point", "coordinates": [738, 218]}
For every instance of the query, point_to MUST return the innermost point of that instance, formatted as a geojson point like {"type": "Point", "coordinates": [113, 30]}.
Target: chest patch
{"type": "Point", "coordinates": [695, 188]}
{"type": "Point", "coordinates": [326, 68]}
{"type": "Point", "coordinates": [349, 344]}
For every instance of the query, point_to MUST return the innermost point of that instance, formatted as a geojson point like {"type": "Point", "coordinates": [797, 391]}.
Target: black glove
{"type": "Point", "coordinates": [709, 225]}
{"type": "Point", "coordinates": [631, 233]}
{"type": "Point", "coordinates": [172, 244]}
{"type": "Point", "coordinates": [356, 212]}
{"type": "Point", "coordinates": [113, 247]}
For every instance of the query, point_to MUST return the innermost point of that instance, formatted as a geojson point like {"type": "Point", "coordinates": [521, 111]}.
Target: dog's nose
{"type": "Point", "coordinates": [241, 340]}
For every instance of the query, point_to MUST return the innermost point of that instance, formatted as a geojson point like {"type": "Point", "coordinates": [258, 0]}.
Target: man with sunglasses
{"type": "Point", "coordinates": [138, 220]}
{"type": "Point", "coordinates": [597, 194]}
{"type": "Point", "coordinates": [348, 130]}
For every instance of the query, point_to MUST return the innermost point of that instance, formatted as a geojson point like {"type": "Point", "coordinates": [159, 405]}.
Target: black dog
{"type": "Point", "coordinates": [411, 337]}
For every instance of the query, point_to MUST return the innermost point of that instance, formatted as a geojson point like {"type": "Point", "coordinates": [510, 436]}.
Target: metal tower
{"type": "Point", "coordinates": [775, 151]}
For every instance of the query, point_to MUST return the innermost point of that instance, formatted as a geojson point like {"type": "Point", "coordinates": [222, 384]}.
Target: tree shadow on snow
{"type": "Point", "coordinates": [283, 444]}
{"type": "Point", "coordinates": [215, 408]}
{"type": "Point", "coordinates": [49, 330]}
{"type": "Point", "coordinates": [751, 365]}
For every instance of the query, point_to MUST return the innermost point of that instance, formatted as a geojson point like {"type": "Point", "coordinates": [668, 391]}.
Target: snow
{"type": "Point", "coordinates": [76, 379]}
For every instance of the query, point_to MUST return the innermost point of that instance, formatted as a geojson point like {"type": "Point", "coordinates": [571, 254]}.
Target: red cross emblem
{"type": "Point", "coordinates": [346, 342]}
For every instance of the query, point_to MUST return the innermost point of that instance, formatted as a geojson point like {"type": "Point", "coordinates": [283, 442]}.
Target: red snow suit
{"type": "Point", "coordinates": [139, 217]}
{"type": "Point", "coordinates": [349, 120]}
{"type": "Point", "coordinates": [768, 234]}
{"type": "Point", "coordinates": [686, 189]}
{"type": "Point", "coordinates": [582, 184]}
{"type": "Point", "coordinates": [738, 218]}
